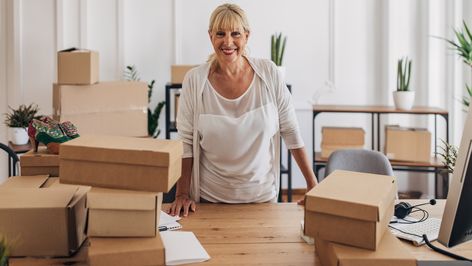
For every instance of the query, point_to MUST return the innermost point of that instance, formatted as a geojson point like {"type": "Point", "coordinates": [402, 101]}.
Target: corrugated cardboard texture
{"type": "Point", "coordinates": [178, 73]}
{"type": "Point", "coordinates": [24, 182]}
{"type": "Point", "coordinates": [126, 251]}
{"type": "Point", "coordinates": [77, 67]}
{"type": "Point", "coordinates": [340, 136]}
{"type": "Point", "coordinates": [408, 144]}
{"type": "Point", "coordinates": [39, 163]}
{"type": "Point", "coordinates": [123, 213]}
{"type": "Point", "coordinates": [354, 195]}
{"type": "Point", "coordinates": [121, 163]}
{"type": "Point", "coordinates": [326, 150]}
{"type": "Point", "coordinates": [390, 252]}
{"type": "Point", "coordinates": [110, 108]}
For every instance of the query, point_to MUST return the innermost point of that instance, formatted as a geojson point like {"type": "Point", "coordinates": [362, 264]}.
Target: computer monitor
{"type": "Point", "coordinates": [456, 225]}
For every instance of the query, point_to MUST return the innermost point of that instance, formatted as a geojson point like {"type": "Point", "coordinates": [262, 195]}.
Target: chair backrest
{"type": "Point", "coordinates": [358, 160]}
{"type": "Point", "coordinates": [12, 160]}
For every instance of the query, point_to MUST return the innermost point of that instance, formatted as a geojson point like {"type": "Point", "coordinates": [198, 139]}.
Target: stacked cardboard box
{"type": "Point", "coordinates": [39, 163]}
{"type": "Point", "coordinates": [177, 73]}
{"type": "Point", "coordinates": [344, 214]}
{"type": "Point", "coordinates": [337, 138]}
{"type": "Point", "coordinates": [408, 144]}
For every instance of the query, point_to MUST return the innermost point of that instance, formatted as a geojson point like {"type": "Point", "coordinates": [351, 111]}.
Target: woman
{"type": "Point", "coordinates": [232, 112]}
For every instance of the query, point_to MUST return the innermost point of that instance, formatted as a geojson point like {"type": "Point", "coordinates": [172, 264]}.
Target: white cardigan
{"type": "Point", "coordinates": [191, 107]}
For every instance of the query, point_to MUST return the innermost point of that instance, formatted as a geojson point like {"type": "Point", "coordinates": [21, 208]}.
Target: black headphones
{"type": "Point", "coordinates": [402, 209]}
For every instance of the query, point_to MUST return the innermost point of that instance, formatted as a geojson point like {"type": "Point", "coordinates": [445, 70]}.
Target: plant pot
{"type": "Point", "coordinates": [282, 71]}
{"type": "Point", "coordinates": [403, 99]}
{"type": "Point", "coordinates": [19, 135]}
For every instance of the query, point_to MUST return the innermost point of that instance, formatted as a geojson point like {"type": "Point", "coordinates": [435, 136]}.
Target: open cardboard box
{"type": "Point", "coordinates": [390, 252]}
{"type": "Point", "coordinates": [121, 162]}
{"type": "Point", "coordinates": [350, 208]}
{"type": "Point", "coordinates": [42, 221]}
{"type": "Point", "coordinates": [39, 163]}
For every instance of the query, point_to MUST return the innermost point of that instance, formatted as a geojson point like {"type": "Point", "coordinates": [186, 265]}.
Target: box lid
{"type": "Point", "coordinates": [352, 194]}
{"type": "Point", "coordinates": [24, 182]}
{"type": "Point", "coordinates": [40, 158]}
{"type": "Point", "coordinates": [127, 150]}
{"type": "Point", "coordinates": [30, 198]}
{"type": "Point", "coordinates": [115, 199]}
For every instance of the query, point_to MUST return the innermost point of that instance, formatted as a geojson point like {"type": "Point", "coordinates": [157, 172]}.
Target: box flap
{"type": "Point", "coordinates": [40, 158]}
{"type": "Point", "coordinates": [24, 182]}
{"type": "Point", "coordinates": [127, 150]}
{"type": "Point", "coordinates": [352, 194]}
{"type": "Point", "coordinates": [115, 199]}
{"type": "Point", "coordinates": [30, 198]}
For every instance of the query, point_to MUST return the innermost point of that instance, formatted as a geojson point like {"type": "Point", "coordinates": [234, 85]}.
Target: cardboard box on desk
{"type": "Point", "coordinates": [178, 73]}
{"type": "Point", "coordinates": [350, 208]}
{"type": "Point", "coordinates": [42, 221]}
{"type": "Point", "coordinates": [126, 251]}
{"type": "Point", "coordinates": [77, 67]}
{"type": "Point", "coordinates": [108, 108]}
{"type": "Point", "coordinates": [123, 213]}
{"type": "Point", "coordinates": [39, 163]}
{"type": "Point", "coordinates": [121, 162]}
{"type": "Point", "coordinates": [408, 144]}
{"type": "Point", "coordinates": [390, 252]}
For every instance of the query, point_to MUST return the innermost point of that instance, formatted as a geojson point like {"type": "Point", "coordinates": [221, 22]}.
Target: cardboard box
{"type": "Point", "coordinates": [107, 108]}
{"type": "Point", "coordinates": [77, 67]}
{"type": "Point", "coordinates": [123, 213]}
{"type": "Point", "coordinates": [121, 162]}
{"type": "Point", "coordinates": [391, 252]}
{"type": "Point", "coordinates": [343, 136]}
{"type": "Point", "coordinates": [326, 150]}
{"type": "Point", "coordinates": [408, 144]}
{"type": "Point", "coordinates": [350, 208]}
{"type": "Point", "coordinates": [178, 73]}
{"type": "Point", "coordinates": [42, 221]}
{"type": "Point", "coordinates": [126, 251]}
{"type": "Point", "coordinates": [39, 163]}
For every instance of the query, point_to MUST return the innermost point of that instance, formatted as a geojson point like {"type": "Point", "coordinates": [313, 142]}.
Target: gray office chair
{"type": "Point", "coordinates": [357, 160]}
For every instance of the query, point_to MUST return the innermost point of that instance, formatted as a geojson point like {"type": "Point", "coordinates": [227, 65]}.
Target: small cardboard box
{"type": "Point", "coordinates": [123, 213]}
{"type": "Point", "coordinates": [116, 108]}
{"type": "Point", "coordinates": [326, 150]}
{"type": "Point", "coordinates": [126, 251]}
{"type": "Point", "coordinates": [42, 221]}
{"type": "Point", "coordinates": [121, 162]}
{"type": "Point", "coordinates": [390, 252]}
{"type": "Point", "coordinates": [350, 208]}
{"type": "Point", "coordinates": [408, 144]}
{"type": "Point", "coordinates": [343, 136]}
{"type": "Point", "coordinates": [77, 67]}
{"type": "Point", "coordinates": [178, 73]}
{"type": "Point", "coordinates": [39, 163]}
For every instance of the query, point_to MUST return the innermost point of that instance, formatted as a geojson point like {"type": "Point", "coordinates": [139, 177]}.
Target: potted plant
{"type": "Point", "coordinates": [18, 120]}
{"type": "Point", "coordinates": [403, 96]}
{"type": "Point", "coordinates": [277, 51]}
{"type": "Point", "coordinates": [3, 252]}
{"type": "Point", "coordinates": [153, 116]}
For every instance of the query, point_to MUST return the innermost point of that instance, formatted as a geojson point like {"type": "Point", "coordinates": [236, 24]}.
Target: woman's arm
{"type": "Point", "coordinates": [304, 164]}
{"type": "Point", "coordinates": [182, 200]}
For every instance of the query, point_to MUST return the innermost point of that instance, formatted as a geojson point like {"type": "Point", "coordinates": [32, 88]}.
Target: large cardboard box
{"type": "Point", "coordinates": [39, 163]}
{"type": "Point", "coordinates": [123, 213]}
{"type": "Point", "coordinates": [116, 108]}
{"type": "Point", "coordinates": [350, 208]}
{"type": "Point", "coordinates": [42, 221]}
{"type": "Point", "coordinates": [126, 251]}
{"type": "Point", "coordinates": [408, 144]}
{"type": "Point", "coordinates": [339, 138]}
{"type": "Point", "coordinates": [77, 67]}
{"type": "Point", "coordinates": [178, 73]}
{"type": "Point", "coordinates": [391, 252]}
{"type": "Point", "coordinates": [121, 162]}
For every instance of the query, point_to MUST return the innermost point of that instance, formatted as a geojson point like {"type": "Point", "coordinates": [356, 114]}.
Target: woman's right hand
{"type": "Point", "coordinates": [182, 203]}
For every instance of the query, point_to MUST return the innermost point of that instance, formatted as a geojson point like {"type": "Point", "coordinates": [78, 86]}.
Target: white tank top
{"type": "Point", "coordinates": [237, 158]}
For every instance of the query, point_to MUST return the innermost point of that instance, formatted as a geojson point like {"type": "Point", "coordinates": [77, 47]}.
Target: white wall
{"type": "Point", "coordinates": [354, 44]}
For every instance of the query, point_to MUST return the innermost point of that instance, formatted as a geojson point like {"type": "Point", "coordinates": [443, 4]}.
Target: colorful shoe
{"type": "Point", "coordinates": [51, 133]}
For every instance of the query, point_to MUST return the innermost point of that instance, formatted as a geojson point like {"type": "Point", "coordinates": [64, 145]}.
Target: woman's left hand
{"type": "Point", "coordinates": [309, 186]}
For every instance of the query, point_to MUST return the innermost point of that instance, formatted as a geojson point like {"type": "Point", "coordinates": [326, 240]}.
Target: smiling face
{"type": "Point", "coordinates": [229, 45]}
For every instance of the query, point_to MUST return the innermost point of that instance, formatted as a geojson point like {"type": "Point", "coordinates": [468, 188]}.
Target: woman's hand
{"type": "Point", "coordinates": [309, 186]}
{"type": "Point", "coordinates": [182, 203]}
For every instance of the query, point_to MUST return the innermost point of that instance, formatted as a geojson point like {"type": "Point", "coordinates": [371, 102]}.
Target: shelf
{"type": "Point", "coordinates": [435, 162]}
{"type": "Point", "coordinates": [377, 109]}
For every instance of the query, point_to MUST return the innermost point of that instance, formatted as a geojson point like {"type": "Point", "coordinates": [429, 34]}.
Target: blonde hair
{"type": "Point", "coordinates": [227, 17]}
